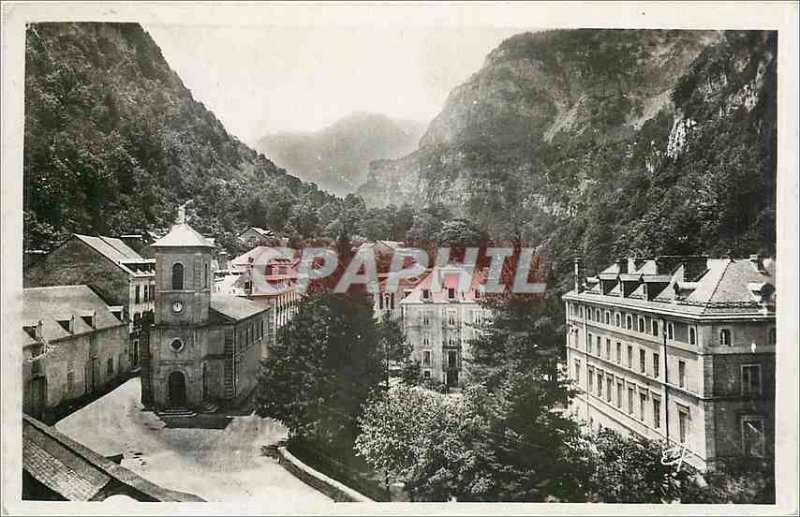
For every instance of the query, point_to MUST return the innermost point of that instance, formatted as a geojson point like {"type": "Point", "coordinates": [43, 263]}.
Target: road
{"type": "Point", "coordinates": [217, 465]}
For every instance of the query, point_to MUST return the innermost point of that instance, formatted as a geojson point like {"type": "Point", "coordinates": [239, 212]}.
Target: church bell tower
{"type": "Point", "coordinates": [173, 377]}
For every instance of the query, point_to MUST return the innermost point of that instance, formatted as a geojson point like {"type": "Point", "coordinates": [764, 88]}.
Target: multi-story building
{"type": "Point", "coordinates": [205, 348]}
{"type": "Point", "coordinates": [280, 295]}
{"type": "Point", "coordinates": [680, 349]}
{"type": "Point", "coordinates": [73, 345]}
{"type": "Point", "coordinates": [439, 320]}
{"type": "Point", "coordinates": [112, 269]}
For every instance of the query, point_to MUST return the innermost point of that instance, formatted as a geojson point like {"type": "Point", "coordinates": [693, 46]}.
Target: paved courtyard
{"type": "Point", "coordinates": [217, 465]}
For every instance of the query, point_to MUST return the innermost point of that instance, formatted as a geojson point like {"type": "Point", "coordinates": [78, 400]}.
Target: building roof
{"type": "Point", "coordinates": [233, 307]}
{"type": "Point", "coordinates": [447, 277]}
{"type": "Point", "coordinates": [261, 231]}
{"type": "Point", "coordinates": [117, 252]}
{"type": "Point", "coordinates": [725, 287]}
{"type": "Point", "coordinates": [64, 302]}
{"type": "Point", "coordinates": [182, 235]}
{"type": "Point", "coordinates": [77, 473]}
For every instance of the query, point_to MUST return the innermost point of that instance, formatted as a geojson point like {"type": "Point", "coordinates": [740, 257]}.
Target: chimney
{"type": "Point", "coordinates": [578, 274]}
{"type": "Point", "coordinates": [757, 262]}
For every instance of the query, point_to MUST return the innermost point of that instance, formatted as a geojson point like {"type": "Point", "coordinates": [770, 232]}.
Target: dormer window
{"type": "Point", "coordinates": [30, 330]}
{"type": "Point", "coordinates": [66, 324]}
{"type": "Point", "coordinates": [89, 320]}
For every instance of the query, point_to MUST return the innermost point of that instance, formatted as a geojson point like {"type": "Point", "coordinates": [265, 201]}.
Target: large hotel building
{"type": "Point", "coordinates": [680, 349]}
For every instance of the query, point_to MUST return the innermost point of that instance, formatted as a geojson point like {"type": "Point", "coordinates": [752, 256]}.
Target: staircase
{"type": "Point", "coordinates": [176, 413]}
{"type": "Point", "coordinates": [209, 407]}
{"type": "Point", "coordinates": [228, 368]}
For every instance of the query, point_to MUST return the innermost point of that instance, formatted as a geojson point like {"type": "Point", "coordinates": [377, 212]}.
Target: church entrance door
{"type": "Point", "coordinates": [176, 389]}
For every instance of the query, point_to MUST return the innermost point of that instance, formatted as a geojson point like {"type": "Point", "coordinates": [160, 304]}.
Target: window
{"type": "Point", "coordinates": [617, 320]}
{"type": "Point", "coordinates": [725, 337]}
{"type": "Point", "coordinates": [597, 346]}
{"type": "Point", "coordinates": [654, 324]}
{"type": "Point", "coordinates": [451, 293]}
{"type": "Point", "coordinates": [682, 374]}
{"type": "Point", "coordinates": [656, 365]}
{"type": "Point", "coordinates": [177, 276]}
{"type": "Point", "coordinates": [670, 331]}
{"type": "Point", "coordinates": [110, 366]}
{"type": "Point", "coordinates": [589, 344]}
{"type": "Point", "coordinates": [589, 314]}
{"type": "Point", "coordinates": [619, 352]}
{"type": "Point", "coordinates": [630, 400]}
{"type": "Point", "coordinates": [581, 311]}
{"type": "Point", "coordinates": [426, 358]}
{"type": "Point", "coordinates": [608, 318]}
{"type": "Point", "coordinates": [176, 345]}
{"type": "Point", "coordinates": [608, 348]}
{"type": "Point", "coordinates": [426, 294]}
{"type": "Point", "coordinates": [630, 356]}
{"type": "Point", "coordinates": [656, 413]}
{"type": "Point", "coordinates": [753, 435]}
{"type": "Point", "coordinates": [629, 322]}
{"type": "Point", "coordinates": [137, 296]}
{"type": "Point", "coordinates": [641, 325]}
{"type": "Point", "coordinates": [609, 386]}
{"type": "Point", "coordinates": [590, 377]}
{"type": "Point", "coordinates": [683, 424]}
{"type": "Point", "coordinates": [452, 360]}
{"type": "Point", "coordinates": [597, 316]}
{"type": "Point", "coordinates": [771, 338]}
{"type": "Point", "coordinates": [205, 275]}
{"type": "Point", "coordinates": [619, 394]}
{"type": "Point", "coordinates": [70, 381]}
{"type": "Point", "coordinates": [692, 336]}
{"type": "Point", "coordinates": [600, 384]}
{"type": "Point", "coordinates": [751, 379]}
{"type": "Point", "coordinates": [642, 365]}
{"type": "Point", "coordinates": [642, 406]}
{"type": "Point", "coordinates": [426, 374]}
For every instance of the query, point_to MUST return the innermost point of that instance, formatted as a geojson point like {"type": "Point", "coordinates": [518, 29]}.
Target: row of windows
{"type": "Point", "coordinates": [604, 317]}
{"type": "Point", "coordinates": [641, 407]}
{"type": "Point", "coordinates": [452, 359]}
{"type": "Point", "coordinates": [655, 358]}
{"type": "Point", "coordinates": [143, 293]}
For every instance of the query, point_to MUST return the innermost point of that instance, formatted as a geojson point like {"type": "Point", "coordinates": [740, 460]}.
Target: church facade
{"type": "Point", "coordinates": [204, 347]}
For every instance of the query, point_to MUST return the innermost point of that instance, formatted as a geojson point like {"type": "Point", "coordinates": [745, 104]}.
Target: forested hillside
{"type": "Point", "coordinates": [606, 142]}
{"type": "Point", "coordinates": [114, 142]}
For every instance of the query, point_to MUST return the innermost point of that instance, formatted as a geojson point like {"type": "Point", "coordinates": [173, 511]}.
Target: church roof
{"type": "Point", "coordinates": [182, 235]}
{"type": "Point", "coordinates": [234, 307]}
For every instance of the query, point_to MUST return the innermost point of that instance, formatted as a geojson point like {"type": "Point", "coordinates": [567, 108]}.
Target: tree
{"type": "Point", "coordinates": [630, 470]}
{"type": "Point", "coordinates": [322, 368]}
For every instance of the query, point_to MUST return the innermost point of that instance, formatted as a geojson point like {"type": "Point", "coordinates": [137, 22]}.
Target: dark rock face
{"type": "Point", "coordinates": [595, 141]}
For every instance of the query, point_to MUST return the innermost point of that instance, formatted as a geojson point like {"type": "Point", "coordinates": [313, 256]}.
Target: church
{"type": "Point", "coordinates": [204, 348]}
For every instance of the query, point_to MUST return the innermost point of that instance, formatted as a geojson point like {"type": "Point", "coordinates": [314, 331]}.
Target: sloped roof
{"type": "Point", "coordinates": [234, 307]}
{"type": "Point", "coordinates": [449, 278]}
{"type": "Point", "coordinates": [78, 473]}
{"type": "Point", "coordinates": [116, 251]}
{"type": "Point", "coordinates": [182, 235]}
{"type": "Point", "coordinates": [61, 302]}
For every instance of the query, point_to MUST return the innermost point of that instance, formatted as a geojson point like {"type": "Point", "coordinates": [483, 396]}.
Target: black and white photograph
{"type": "Point", "coordinates": [296, 258]}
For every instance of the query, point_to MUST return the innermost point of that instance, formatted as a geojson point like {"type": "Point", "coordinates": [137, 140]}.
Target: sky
{"type": "Point", "coordinates": [260, 80]}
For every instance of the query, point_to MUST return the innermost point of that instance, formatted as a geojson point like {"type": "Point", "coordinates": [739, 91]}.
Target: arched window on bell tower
{"type": "Point", "coordinates": [177, 276]}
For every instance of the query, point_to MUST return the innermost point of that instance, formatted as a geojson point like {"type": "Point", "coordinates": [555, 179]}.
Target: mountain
{"type": "Point", "coordinates": [114, 143]}
{"type": "Point", "coordinates": [599, 143]}
{"type": "Point", "coordinates": [337, 158]}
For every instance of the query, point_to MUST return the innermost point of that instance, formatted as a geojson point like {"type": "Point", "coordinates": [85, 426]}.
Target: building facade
{"type": "Point", "coordinates": [439, 320]}
{"type": "Point", "coordinates": [205, 347]}
{"type": "Point", "coordinates": [680, 349]}
{"type": "Point", "coordinates": [73, 345]}
{"type": "Point", "coordinates": [111, 268]}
